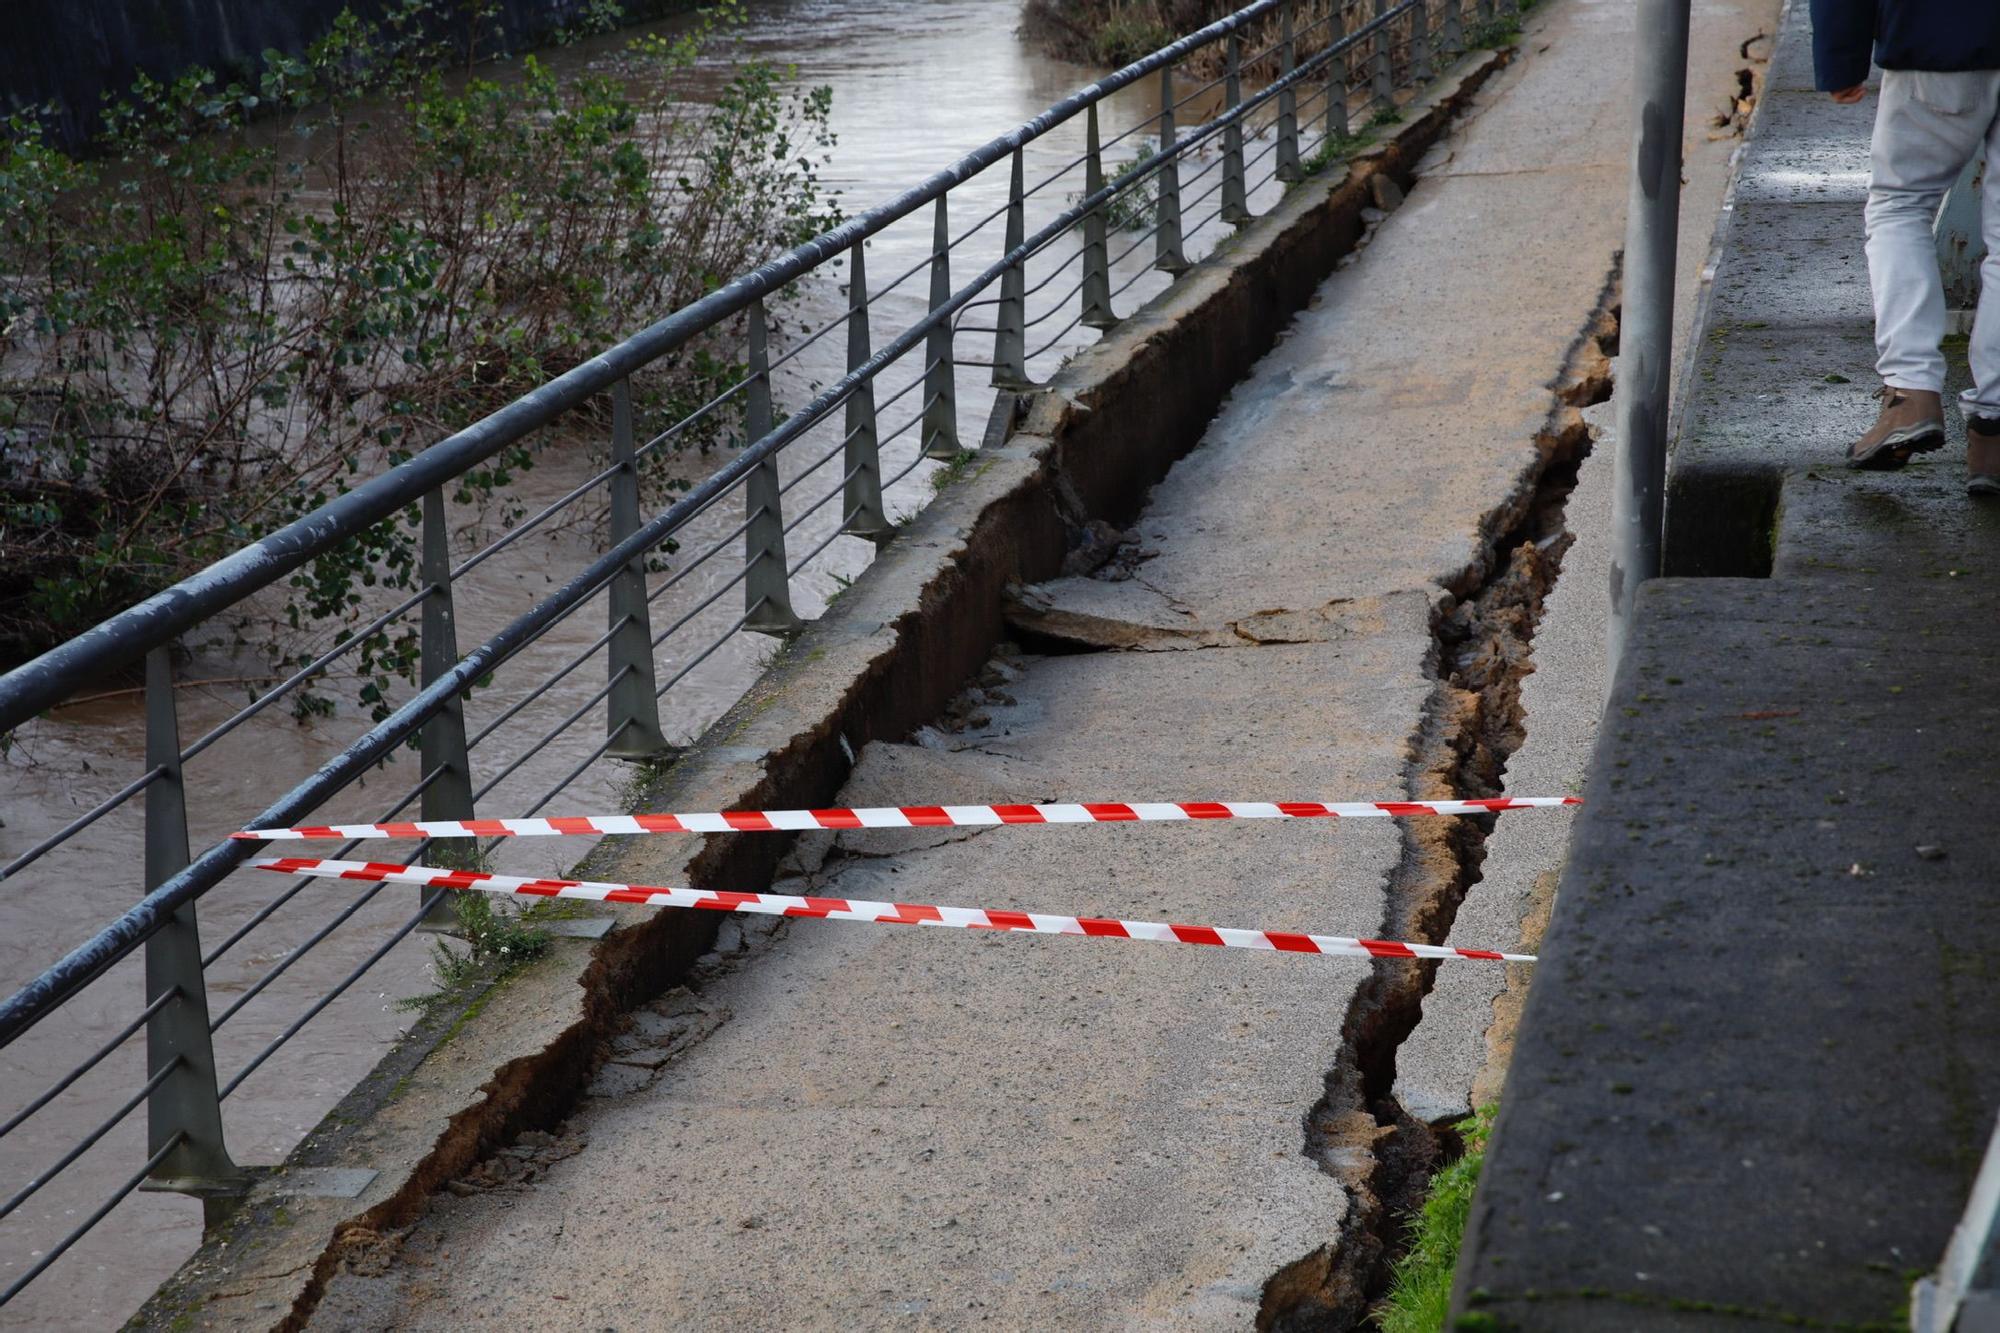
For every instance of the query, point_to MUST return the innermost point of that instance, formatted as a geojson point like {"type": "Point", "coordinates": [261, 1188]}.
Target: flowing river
{"type": "Point", "coordinates": [914, 86]}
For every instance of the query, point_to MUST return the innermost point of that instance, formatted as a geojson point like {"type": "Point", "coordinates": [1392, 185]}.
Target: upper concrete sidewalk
{"type": "Point", "coordinates": [872, 1127]}
{"type": "Point", "coordinates": [1761, 1056]}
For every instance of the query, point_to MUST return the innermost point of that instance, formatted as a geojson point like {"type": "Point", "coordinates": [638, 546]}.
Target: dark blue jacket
{"type": "Point", "coordinates": [1906, 34]}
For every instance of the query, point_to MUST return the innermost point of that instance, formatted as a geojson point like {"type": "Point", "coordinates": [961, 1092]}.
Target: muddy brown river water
{"type": "Point", "coordinates": [914, 86]}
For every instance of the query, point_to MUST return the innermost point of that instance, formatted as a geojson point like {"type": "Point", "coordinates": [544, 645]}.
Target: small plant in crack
{"type": "Point", "coordinates": [1497, 33]}
{"type": "Point", "coordinates": [1494, 35]}
{"type": "Point", "coordinates": [642, 775]}
{"type": "Point", "coordinates": [954, 468]}
{"type": "Point", "coordinates": [494, 942]}
{"type": "Point", "coordinates": [1419, 1298]}
{"type": "Point", "coordinates": [1334, 148]}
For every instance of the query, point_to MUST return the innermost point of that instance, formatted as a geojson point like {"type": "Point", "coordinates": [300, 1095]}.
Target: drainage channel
{"type": "Point", "coordinates": [1359, 1132]}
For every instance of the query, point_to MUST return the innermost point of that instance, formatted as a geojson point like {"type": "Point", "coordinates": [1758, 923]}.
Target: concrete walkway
{"type": "Point", "coordinates": [868, 1127]}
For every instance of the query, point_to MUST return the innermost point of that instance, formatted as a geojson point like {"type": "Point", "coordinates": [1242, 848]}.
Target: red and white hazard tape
{"type": "Point", "coordinates": [904, 816]}
{"type": "Point", "coordinates": [886, 914]}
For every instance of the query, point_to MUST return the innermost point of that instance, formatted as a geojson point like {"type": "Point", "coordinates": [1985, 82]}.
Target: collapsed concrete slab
{"type": "Point", "coordinates": [886, 660]}
{"type": "Point", "coordinates": [1076, 1135]}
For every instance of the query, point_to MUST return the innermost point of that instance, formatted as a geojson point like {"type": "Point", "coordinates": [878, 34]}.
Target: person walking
{"type": "Point", "coordinates": [1939, 108]}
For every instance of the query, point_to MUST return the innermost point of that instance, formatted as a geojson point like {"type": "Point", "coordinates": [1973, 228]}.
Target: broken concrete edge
{"type": "Point", "coordinates": [1714, 501]}
{"type": "Point", "coordinates": [1359, 1132]}
{"type": "Point", "coordinates": [1575, 434]}
{"type": "Point", "coordinates": [252, 1262]}
{"type": "Point", "coordinates": [1588, 382]}
{"type": "Point", "coordinates": [1725, 522]}
{"type": "Point", "coordinates": [885, 658]}
{"type": "Point", "coordinates": [1590, 392]}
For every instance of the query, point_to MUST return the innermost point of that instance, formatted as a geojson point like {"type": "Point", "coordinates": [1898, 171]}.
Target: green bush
{"type": "Point", "coordinates": [1136, 206]}
{"type": "Point", "coordinates": [251, 298]}
{"type": "Point", "coordinates": [1117, 32]}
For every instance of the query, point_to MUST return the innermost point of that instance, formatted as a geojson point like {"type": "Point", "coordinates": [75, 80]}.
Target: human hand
{"type": "Point", "coordinates": [1849, 96]}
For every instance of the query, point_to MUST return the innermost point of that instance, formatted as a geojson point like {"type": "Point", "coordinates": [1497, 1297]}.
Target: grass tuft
{"type": "Point", "coordinates": [1420, 1289]}
{"type": "Point", "coordinates": [495, 943]}
{"type": "Point", "coordinates": [954, 468]}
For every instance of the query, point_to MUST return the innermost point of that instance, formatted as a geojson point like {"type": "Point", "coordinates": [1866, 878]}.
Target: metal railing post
{"type": "Point", "coordinates": [1336, 75]}
{"type": "Point", "coordinates": [1420, 42]}
{"type": "Point", "coordinates": [861, 500]}
{"type": "Point", "coordinates": [184, 1105]}
{"type": "Point", "coordinates": [1960, 246]}
{"type": "Point", "coordinates": [940, 428]}
{"type": "Point", "coordinates": [1485, 11]}
{"type": "Point", "coordinates": [1097, 311]}
{"type": "Point", "coordinates": [1646, 329]}
{"type": "Point", "coordinates": [1010, 329]}
{"type": "Point", "coordinates": [1167, 252]}
{"type": "Point", "coordinates": [1287, 161]}
{"type": "Point", "coordinates": [1384, 71]}
{"type": "Point", "coordinates": [1454, 29]}
{"type": "Point", "coordinates": [767, 583]}
{"type": "Point", "coordinates": [1964, 1292]}
{"type": "Point", "coordinates": [1235, 198]}
{"type": "Point", "coordinates": [441, 744]}
{"type": "Point", "coordinates": [632, 711]}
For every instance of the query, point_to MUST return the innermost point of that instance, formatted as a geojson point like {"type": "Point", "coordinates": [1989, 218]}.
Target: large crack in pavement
{"type": "Point", "coordinates": [1359, 1132]}
{"type": "Point", "coordinates": [1319, 481]}
{"type": "Point", "coordinates": [1380, 1155]}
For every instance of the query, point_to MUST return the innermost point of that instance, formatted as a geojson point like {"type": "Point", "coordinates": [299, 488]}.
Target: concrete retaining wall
{"type": "Point", "coordinates": [1716, 1114]}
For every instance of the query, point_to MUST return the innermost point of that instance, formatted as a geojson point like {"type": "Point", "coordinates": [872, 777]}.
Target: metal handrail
{"type": "Point", "coordinates": [120, 641]}
{"type": "Point", "coordinates": [1964, 1292]}
{"type": "Point", "coordinates": [177, 880]}
{"type": "Point", "coordinates": [256, 566]}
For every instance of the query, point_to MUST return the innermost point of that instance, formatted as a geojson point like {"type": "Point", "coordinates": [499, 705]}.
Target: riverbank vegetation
{"type": "Point", "coordinates": [1117, 32]}
{"type": "Point", "coordinates": [250, 298]}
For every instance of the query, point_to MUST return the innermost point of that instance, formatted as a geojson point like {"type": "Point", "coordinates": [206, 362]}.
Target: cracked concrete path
{"type": "Point", "coordinates": [1456, 1058]}
{"type": "Point", "coordinates": [938, 1128]}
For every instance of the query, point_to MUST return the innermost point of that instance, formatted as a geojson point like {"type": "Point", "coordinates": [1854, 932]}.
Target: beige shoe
{"type": "Point", "coordinates": [1982, 455]}
{"type": "Point", "coordinates": [1912, 422]}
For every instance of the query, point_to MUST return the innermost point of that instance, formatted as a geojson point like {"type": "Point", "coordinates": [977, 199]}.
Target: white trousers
{"type": "Point", "coordinates": [1927, 127]}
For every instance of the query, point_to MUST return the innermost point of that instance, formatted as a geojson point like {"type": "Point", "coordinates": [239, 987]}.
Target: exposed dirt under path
{"type": "Point", "coordinates": [863, 1127]}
